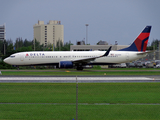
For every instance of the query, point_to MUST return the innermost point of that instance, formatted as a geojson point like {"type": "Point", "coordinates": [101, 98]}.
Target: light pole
{"type": "Point", "coordinates": [87, 33]}
{"type": "Point", "coordinates": [76, 98]}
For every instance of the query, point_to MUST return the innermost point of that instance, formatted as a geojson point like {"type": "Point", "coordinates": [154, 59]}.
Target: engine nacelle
{"type": "Point", "coordinates": [65, 64]}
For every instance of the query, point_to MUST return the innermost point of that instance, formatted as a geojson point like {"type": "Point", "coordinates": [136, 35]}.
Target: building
{"type": "Point", "coordinates": [2, 32]}
{"type": "Point", "coordinates": [96, 47]}
{"type": "Point", "coordinates": [50, 33]}
{"type": "Point", "coordinates": [81, 42]}
{"type": "Point", "coordinates": [102, 43]}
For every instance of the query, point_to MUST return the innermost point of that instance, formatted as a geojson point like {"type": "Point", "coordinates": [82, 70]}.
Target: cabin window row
{"type": "Point", "coordinates": [59, 56]}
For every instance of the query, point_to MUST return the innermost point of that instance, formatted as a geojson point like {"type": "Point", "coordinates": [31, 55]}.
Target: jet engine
{"type": "Point", "coordinates": [65, 64]}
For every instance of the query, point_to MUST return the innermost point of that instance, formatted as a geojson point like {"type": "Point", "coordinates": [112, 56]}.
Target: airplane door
{"type": "Point", "coordinates": [22, 57]}
{"type": "Point", "coordinates": [127, 56]}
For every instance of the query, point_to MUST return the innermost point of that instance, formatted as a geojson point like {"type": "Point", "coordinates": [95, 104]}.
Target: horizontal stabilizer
{"type": "Point", "coordinates": [141, 53]}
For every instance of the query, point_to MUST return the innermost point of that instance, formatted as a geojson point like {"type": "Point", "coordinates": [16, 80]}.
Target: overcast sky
{"type": "Point", "coordinates": [109, 20]}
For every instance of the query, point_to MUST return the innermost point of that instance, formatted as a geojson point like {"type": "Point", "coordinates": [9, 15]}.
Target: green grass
{"type": "Point", "coordinates": [88, 93]}
{"type": "Point", "coordinates": [87, 112]}
{"type": "Point", "coordinates": [37, 101]}
{"type": "Point", "coordinates": [85, 72]}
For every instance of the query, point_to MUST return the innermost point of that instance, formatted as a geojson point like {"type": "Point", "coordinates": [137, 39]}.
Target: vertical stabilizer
{"type": "Point", "coordinates": [140, 43]}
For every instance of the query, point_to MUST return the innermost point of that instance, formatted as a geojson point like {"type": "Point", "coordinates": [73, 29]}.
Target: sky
{"type": "Point", "coordinates": [109, 20]}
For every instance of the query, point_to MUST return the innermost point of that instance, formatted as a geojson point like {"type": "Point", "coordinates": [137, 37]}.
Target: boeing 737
{"type": "Point", "coordinates": [79, 59]}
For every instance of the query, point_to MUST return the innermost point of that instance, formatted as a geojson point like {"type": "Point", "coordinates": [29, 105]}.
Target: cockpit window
{"type": "Point", "coordinates": [12, 56]}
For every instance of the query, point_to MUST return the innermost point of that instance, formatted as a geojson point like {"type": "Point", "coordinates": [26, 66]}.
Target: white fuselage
{"type": "Point", "coordinates": [52, 57]}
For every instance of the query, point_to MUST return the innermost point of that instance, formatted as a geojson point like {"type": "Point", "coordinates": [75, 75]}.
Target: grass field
{"type": "Point", "coordinates": [53, 72]}
{"type": "Point", "coordinates": [87, 112]}
{"type": "Point", "coordinates": [96, 101]}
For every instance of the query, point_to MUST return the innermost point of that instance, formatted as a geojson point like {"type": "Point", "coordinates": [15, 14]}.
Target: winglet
{"type": "Point", "coordinates": [107, 52]}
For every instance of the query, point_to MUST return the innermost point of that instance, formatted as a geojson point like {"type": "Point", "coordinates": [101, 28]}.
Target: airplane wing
{"type": "Point", "coordinates": [85, 60]}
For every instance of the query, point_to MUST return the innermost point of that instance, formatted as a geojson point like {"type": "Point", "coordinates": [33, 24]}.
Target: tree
{"type": "Point", "coordinates": [49, 47]}
{"type": "Point", "coordinates": [155, 44]}
{"type": "Point", "coordinates": [27, 43]}
{"type": "Point", "coordinates": [1, 46]}
{"type": "Point", "coordinates": [9, 49]}
{"type": "Point", "coordinates": [37, 46]}
{"type": "Point", "coordinates": [66, 46]}
{"type": "Point", "coordinates": [1, 55]}
{"type": "Point", "coordinates": [19, 43]}
{"type": "Point", "coordinates": [59, 45]}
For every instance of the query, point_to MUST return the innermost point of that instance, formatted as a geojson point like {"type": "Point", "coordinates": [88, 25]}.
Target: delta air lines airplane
{"type": "Point", "coordinates": [79, 59]}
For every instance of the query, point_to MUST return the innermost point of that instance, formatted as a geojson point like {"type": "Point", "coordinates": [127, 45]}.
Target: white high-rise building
{"type": "Point", "coordinates": [2, 32]}
{"type": "Point", "coordinates": [50, 33]}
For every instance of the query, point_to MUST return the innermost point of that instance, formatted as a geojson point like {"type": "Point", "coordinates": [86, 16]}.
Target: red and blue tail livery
{"type": "Point", "coordinates": [140, 43]}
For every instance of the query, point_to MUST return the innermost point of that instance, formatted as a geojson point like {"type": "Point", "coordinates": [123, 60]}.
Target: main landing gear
{"type": "Point", "coordinates": [17, 67]}
{"type": "Point", "coordinates": [79, 68]}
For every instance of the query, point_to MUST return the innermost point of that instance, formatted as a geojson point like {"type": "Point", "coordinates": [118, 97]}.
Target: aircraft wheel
{"type": "Point", "coordinates": [79, 68]}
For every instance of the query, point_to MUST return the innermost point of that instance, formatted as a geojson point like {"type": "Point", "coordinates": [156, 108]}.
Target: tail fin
{"type": "Point", "coordinates": [140, 43]}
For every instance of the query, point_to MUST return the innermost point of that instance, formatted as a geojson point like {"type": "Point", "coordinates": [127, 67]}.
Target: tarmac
{"type": "Point", "coordinates": [79, 79]}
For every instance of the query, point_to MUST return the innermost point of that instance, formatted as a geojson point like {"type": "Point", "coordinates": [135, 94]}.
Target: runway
{"type": "Point", "coordinates": [66, 79]}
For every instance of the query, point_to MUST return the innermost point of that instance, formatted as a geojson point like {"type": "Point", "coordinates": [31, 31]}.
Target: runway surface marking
{"type": "Point", "coordinates": [74, 78]}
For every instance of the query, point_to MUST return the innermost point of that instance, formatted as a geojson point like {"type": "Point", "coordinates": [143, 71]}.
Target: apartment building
{"type": "Point", "coordinates": [2, 32]}
{"type": "Point", "coordinates": [49, 33]}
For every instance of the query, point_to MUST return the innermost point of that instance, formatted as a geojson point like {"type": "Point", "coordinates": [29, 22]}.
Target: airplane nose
{"type": "Point", "coordinates": [6, 60]}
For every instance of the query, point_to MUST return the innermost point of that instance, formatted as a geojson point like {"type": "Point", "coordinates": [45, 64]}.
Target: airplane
{"type": "Point", "coordinates": [79, 59]}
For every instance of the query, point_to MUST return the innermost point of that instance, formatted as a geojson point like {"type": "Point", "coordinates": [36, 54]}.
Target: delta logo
{"type": "Point", "coordinates": [35, 54]}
